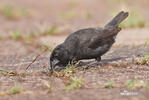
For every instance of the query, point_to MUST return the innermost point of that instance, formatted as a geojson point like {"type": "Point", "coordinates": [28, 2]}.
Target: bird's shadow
{"type": "Point", "coordinates": [94, 63]}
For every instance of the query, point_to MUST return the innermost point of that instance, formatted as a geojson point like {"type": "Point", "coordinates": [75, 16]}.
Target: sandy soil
{"type": "Point", "coordinates": [117, 66]}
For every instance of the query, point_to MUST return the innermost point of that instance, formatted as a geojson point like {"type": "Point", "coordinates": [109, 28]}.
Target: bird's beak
{"type": "Point", "coordinates": [54, 63]}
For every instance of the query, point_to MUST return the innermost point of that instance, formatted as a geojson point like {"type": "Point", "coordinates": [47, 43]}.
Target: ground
{"type": "Point", "coordinates": [117, 76]}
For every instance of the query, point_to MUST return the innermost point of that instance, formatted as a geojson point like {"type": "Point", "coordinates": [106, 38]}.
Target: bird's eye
{"type": "Point", "coordinates": [56, 55]}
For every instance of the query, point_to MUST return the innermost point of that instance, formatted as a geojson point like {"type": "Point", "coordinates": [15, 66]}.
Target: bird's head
{"type": "Point", "coordinates": [59, 57]}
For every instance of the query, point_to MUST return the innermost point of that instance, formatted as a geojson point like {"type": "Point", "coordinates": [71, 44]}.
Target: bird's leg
{"type": "Point", "coordinates": [74, 62]}
{"type": "Point", "coordinates": [98, 58]}
{"type": "Point", "coordinates": [80, 63]}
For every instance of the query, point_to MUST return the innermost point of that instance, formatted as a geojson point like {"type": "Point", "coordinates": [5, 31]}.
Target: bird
{"type": "Point", "coordinates": [88, 43]}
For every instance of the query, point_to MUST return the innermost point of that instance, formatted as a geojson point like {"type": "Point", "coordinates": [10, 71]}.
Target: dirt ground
{"type": "Point", "coordinates": [118, 66]}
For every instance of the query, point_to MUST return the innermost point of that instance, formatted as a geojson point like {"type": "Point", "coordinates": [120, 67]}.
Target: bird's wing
{"type": "Point", "coordinates": [71, 43]}
{"type": "Point", "coordinates": [103, 36]}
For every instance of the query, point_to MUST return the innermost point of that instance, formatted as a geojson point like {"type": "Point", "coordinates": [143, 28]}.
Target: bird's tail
{"type": "Point", "coordinates": [117, 19]}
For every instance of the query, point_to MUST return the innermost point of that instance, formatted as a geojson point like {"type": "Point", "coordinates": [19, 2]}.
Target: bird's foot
{"type": "Point", "coordinates": [98, 58]}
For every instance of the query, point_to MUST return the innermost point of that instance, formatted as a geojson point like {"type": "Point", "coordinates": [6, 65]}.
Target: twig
{"type": "Point", "coordinates": [32, 61]}
{"type": "Point", "coordinates": [35, 59]}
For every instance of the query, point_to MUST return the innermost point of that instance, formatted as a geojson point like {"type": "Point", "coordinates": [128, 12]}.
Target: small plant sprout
{"type": "Point", "coordinates": [16, 35]}
{"type": "Point", "coordinates": [89, 15]}
{"type": "Point", "coordinates": [146, 43]}
{"type": "Point", "coordinates": [136, 83]}
{"type": "Point", "coordinates": [7, 11]}
{"type": "Point", "coordinates": [144, 60]}
{"type": "Point", "coordinates": [48, 86]}
{"type": "Point", "coordinates": [24, 12]}
{"type": "Point", "coordinates": [68, 15]}
{"type": "Point", "coordinates": [14, 90]}
{"type": "Point", "coordinates": [67, 72]}
{"type": "Point", "coordinates": [49, 31]}
{"type": "Point", "coordinates": [52, 30]}
{"type": "Point", "coordinates": [10, 12]}
{"type": "Point", "coordinates": [1, 37]}
{"type": "Point", "coordinates": [115, 2]}
{"type": "Point", "coordinates": [57, 74]}
{"type": "Point", "coordinates": [70, 69]}
{"type": "Point", "coordinates": [29, 37]}
{"type": "Point", "coordinates": [4, 71]}
{"type": "Point", "coordinates": [109, 85]}
{"type": "Point", "coordinates": [7, 73]}
{"type": "Point", "coordinates": [73, 3]}
{"type": "Point", "coordinates": [75, 84]}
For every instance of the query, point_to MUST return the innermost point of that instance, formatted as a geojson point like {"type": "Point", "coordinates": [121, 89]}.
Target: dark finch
{"type": "Point", "coordinates": [90, 43]}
